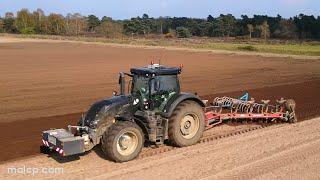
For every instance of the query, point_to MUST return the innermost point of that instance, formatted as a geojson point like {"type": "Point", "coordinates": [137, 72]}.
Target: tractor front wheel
{"type": "Point", "coordinates": [123, 141]}
{"type": "Point", "coordinates": [187, 123]}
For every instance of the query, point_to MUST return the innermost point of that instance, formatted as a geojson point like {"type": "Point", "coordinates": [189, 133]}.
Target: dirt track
{"type": "Point", "coordinates": [46, 85]}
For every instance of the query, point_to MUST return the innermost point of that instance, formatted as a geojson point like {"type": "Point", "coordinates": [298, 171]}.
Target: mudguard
{"type": "Point", "coordinates": [173, 103]}
{"type": "Point", "coordinates": [105, 110]}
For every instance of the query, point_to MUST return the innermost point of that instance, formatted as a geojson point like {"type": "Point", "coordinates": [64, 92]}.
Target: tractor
{"type": "Point", "coordinates": [153, 111]}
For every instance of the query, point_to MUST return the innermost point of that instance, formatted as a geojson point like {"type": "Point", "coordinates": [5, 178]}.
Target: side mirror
{"type": "Point", "coordinates": [122, 83]}
{"type": "Point", "coordinates": [156, 85]}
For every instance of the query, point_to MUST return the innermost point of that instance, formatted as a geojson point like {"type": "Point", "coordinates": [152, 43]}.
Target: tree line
{"type": "Point", "coordinates": [226, 25]}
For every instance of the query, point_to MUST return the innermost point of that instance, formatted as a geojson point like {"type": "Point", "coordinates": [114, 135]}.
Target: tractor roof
{"type": "Point", "coordinates": [156, 69]}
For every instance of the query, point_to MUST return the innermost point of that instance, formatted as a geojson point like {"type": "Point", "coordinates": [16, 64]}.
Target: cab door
{"type": "Point", "coordinates": [163, 88]}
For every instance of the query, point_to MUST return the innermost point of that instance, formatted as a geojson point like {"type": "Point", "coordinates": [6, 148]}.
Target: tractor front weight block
{"type": "Point", "coordinates": [63, 142]}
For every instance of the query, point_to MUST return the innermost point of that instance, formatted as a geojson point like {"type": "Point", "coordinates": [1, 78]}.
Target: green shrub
{"type": "Point", "coordinates": [28, 30]}
{"type": "Point", "coordinates": [247, 48]}
{"type": "Point", "coordinates": [169, 35]}
{"type": "Point", "coordinates": [182, 32]}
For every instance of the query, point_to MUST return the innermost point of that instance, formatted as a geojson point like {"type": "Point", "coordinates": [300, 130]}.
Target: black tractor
{"type": "Point", "coordinates": [151, 112]}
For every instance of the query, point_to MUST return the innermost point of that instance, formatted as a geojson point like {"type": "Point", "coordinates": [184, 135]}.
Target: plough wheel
{"type": "Point", "coordinates": [290, 105]}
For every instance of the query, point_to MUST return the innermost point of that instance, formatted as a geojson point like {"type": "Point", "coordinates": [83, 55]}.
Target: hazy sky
{"type": "Point", "coordinates": [121, 9]}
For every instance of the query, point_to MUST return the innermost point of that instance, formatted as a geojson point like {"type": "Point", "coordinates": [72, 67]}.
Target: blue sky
{"type": "Point", "coordinates": [122, 9]}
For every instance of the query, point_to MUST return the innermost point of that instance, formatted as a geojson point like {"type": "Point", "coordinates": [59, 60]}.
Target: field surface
{"type": "Point", "coordinates": [260, 154]}
{"type": "Point", "coordinates": [46, 84]}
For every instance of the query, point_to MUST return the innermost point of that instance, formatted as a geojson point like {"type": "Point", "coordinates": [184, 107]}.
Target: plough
{"type": "Point", "coordinates": [243, 109]}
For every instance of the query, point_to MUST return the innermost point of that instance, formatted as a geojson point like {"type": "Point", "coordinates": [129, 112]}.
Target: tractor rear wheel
{"type": "Point", "coordinates": [123, 141]}
{"type": "Point", "coordinates": [186, 125]}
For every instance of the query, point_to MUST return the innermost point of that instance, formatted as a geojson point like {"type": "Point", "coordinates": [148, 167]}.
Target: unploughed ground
{"type": "Point", "coordinates": [305, 50]}
{"type": "Point", "coordinates": [286, 151]}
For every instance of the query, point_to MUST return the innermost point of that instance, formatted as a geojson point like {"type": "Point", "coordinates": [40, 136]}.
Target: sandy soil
{"type": "Point", "coordinates": [45, 85]}
{"type": "Point", "coordinates": [260, 154]}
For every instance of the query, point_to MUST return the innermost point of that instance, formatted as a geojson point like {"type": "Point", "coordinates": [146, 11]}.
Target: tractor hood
{"type": "Point", "coordinates": [105, 110]}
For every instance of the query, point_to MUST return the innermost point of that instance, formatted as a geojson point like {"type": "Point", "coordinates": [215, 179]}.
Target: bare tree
{"type": "Point", "coordinates": [75, 24]}
{"type": "Point", "coordinates": [56, 24]}
{"type": "Point", "coordinates": [265, 30]}
{"type": "Point", "coordinates": [24, 20]}
{"type": "Point", "coordinates": [9, 15]}
{"type": "Point", "coordinates": [250, 29]}
{"type": "Point", "coordinates": [161, 24]}
{"type": "Point", "coordinates": [1, 25]}
{"type": "Point", "coordinates": [41, 25]}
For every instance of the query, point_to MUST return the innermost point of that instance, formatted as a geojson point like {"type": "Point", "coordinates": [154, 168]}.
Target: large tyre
{"type": "Point", "coordinates": [123, 141]}
{"type": "Point", "coordinates": [186, 125]}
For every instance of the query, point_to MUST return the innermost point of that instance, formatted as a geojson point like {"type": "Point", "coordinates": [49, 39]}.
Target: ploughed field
{"type": "Point", "coordinates": [49, 84]}
{"type": "Point", "coordinates": [285, 151]}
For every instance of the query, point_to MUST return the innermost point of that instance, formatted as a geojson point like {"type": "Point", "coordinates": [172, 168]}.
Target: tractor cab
{"type": "Point", "coordinates": [154, 86]}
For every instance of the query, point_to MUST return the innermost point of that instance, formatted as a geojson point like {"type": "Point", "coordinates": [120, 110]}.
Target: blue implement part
{"type": "Point", "coordinates": [245, 97]}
